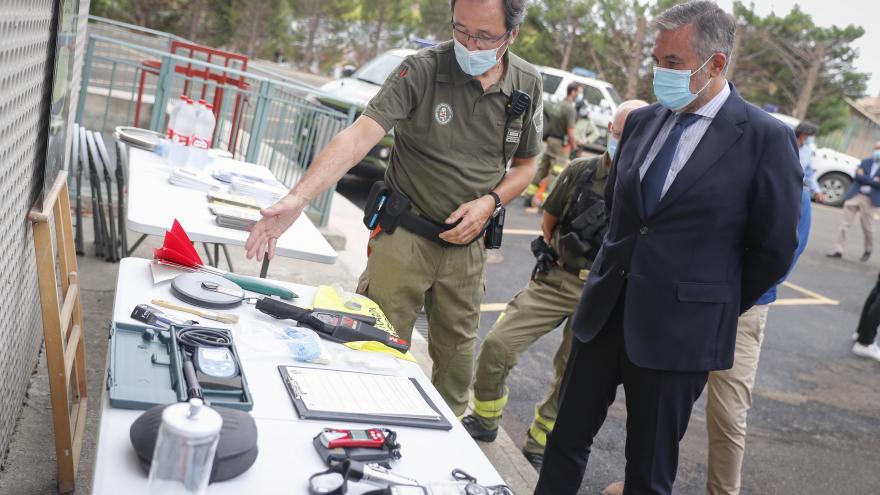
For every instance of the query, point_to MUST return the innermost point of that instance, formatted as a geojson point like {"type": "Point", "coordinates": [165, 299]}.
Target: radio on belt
{"type": "Point", "coordinates": [333, 438]}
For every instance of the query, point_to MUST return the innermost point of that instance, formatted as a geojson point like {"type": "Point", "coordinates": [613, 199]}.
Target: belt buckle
{"type": "Point", "coordinates": [583, 274]}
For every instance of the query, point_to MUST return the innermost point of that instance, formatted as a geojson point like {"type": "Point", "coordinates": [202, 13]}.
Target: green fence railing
{"type": "Point", "coordinates": [271, 122]}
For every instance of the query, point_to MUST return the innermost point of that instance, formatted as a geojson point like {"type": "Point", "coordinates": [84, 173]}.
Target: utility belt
{"type": "Point", "coordinates": [390, 209]}
{"type": "Point", "coordinates": [580, 273]}
{"type": "Point", "coordinates": [564, 139]}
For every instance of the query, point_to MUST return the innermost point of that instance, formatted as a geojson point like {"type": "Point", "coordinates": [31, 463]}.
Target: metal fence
{"type": "Point", "coordinates": [269, 121]}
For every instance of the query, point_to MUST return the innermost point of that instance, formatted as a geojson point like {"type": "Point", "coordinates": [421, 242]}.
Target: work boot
{"type": "Point", "coordinates": [615, 488]}
{"type": "Point", "coordinates": [536, 460]}
{"type": "Point", "coordinates": [477, 430]}
{"type": "Point", "coordinates": [865, 256]}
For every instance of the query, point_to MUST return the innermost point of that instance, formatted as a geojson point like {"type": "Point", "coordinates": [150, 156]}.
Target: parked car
{"type": "Point", "coordinates": [834, 170]}
{"type": "Point", "coordinates": [360, 87]}
{"type": "Point", "coordinates": [600, 97]}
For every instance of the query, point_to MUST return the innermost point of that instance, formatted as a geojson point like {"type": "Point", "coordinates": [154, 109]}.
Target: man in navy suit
{"type": "Point", "coordinates": [862, 198]}
{"type": "Point", "coordinates": [703, 199]}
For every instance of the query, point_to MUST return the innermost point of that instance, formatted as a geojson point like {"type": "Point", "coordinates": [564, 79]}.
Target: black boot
{"type": "Point", "coordinates": [477, 430]}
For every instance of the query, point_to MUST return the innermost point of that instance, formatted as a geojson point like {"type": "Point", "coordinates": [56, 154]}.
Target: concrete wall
{"type": "Point", "coordinates": [26, 72]}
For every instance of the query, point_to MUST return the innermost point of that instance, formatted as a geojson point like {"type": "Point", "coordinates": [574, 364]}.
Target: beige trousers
{"type": "Point", "coordinates": [728, 399]}
{"type": "Point", "coordinates": [859, 204]}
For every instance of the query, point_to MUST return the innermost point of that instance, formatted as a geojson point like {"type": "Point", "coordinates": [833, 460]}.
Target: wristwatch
{"type": "Point", "coordinates": [498, 203]}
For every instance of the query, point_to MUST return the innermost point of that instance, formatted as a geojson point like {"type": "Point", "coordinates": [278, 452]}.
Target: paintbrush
{"type": "Point", "coordinates": [211, 315]}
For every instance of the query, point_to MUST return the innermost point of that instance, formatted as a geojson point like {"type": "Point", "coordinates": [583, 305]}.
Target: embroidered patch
{"type": "Point", "coordinates": [443, 113]}
{"type": "Point", "coordinates": [538, 119]}
{"type": "Point", "coordinates": [513, 136]}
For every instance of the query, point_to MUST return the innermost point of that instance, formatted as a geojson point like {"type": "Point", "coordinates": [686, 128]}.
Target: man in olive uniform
{"type": "Point", "coordinates": [573, 226]}
{"type": "Point", "coordinates": [560, 139]}
{"type": "Point", "coordinates": [452, 136]}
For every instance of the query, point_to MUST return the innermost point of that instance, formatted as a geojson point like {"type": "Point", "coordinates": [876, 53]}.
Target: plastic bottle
{"type": "Point", "coordinates": [185, 448]}
{"type": "Point", "coordinates": [203, 134]}
{"type": "Point", "coordinates": [184, 125]}
{"type": "Point", "coordinates": [176, 105]}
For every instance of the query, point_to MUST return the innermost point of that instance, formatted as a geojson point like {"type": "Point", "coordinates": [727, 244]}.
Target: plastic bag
{"type": "Point", "coordinates": [299, 343]}
{"type": "Point", "coordinates": [304, 345]}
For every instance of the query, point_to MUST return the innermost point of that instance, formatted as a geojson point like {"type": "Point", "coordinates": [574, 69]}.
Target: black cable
{"type": "Point", "coordinates": [192, 337]}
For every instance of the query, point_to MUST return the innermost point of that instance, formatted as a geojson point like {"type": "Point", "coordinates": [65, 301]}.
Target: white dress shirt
{"type": "Point", "coordinates": [689, 139]}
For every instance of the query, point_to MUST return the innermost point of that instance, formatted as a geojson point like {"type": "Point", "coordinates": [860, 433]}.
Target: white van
{"type": "Point", "coordinates": [600, 97]}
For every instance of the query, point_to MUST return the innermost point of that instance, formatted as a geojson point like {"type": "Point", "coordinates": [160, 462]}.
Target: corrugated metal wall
{"type": "Point", "coordinates": [25, 76]}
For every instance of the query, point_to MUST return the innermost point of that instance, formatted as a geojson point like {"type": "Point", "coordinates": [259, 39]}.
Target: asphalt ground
{"type": "Point", "coordinates": [815, 421]}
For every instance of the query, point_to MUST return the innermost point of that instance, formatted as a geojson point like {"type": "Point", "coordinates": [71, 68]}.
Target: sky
{"type": "Point", "coordinates": [826, 13]}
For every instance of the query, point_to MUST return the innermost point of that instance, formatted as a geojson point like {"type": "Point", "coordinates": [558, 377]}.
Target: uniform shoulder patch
{"type": "Point", "coordinates": [443, 113]}
{"type": "Point", "coordinates": [538, 119]}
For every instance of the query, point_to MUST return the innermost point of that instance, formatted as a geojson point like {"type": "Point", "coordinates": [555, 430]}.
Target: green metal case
{"type": "Point", "coordinates": [144, 370]}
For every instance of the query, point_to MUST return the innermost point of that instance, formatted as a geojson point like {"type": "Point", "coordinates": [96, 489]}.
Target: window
{"type": "Point", "coordinates": [377, 70]}
{"type": "Point", "coordinates": [592, 95]}
{"type": "Point", "coordinates": [551, 82]}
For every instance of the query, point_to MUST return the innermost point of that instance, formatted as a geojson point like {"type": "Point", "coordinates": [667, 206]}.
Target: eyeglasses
{"type": "Point", "coordinates": [483, 42]}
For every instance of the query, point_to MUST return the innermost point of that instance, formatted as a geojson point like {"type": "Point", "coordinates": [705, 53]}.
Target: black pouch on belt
{"type": "Point", "coordinates": [375, 204]}
{"type": "Point", "coordinates": [395, 206]}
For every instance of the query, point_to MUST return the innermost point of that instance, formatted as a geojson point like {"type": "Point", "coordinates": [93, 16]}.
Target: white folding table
{"type": "Point", "coordinates": [154, 203]}
{"type": "Point", "coordinates": [286, 455]}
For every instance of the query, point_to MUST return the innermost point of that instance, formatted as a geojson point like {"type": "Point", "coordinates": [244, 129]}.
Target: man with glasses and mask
{"type": "Point", "coordinates": [453, 138]}
{"type": "Point", "coordinates": [703, 201]}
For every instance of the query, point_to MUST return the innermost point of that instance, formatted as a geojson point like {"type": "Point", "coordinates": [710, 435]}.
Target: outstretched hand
{"type": "Point", "coordinates": [276, 220]}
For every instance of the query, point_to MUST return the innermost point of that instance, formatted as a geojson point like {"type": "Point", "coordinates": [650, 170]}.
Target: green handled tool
{"type": "Point", "coordinates": [253, 284]}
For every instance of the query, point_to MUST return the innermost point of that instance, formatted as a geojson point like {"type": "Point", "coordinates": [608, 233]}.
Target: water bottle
{"type": "Point", "coordinates": [184, 124]}
{"type": "Point", "coordinates": [175, 107]}
{"type": "Point", "coordinates": [203, 134]}
{"type": "Point", "coordinates": [185, 449]}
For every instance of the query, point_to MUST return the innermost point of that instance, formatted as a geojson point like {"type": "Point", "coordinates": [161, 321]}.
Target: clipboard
{"type": "Point", "coordinates": [432, 419]}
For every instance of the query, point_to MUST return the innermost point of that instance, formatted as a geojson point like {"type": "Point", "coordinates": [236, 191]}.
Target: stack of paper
{"type": "Point", "coordinates": [192, 179]}
{"type": "Point", "coordinates": [225, 174]}
{"type": "Point", "coordinates": [234, 217]}
{"type": "Point", "coordinates": [259, 190]}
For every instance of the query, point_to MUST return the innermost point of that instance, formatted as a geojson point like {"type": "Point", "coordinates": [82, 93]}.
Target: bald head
{"type": "Point", "coordinates": [615, 127]}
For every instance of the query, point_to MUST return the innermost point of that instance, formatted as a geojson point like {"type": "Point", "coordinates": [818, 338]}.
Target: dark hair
{"type": "Point", "coordinates": [572, 87]}
{"type": "Point", "coordinates": [514, 12]}
{"type": "Point", "coordinates": [714, 28]}
{"type": "Point", "coordinates": [806, 127]}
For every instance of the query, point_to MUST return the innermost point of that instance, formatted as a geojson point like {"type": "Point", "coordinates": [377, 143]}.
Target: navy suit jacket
{"type": "Point", "coordinates": [864, 178]}
{"type": "Point", "coordinates": [724, 233]}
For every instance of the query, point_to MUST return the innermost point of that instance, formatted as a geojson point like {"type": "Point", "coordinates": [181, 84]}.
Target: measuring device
{"type": "Point", "coordinates": [334, 438]}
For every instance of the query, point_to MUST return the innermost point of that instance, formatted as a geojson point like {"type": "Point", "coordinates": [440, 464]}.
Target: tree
{"type": "Point", "coordinates": [805, 70]}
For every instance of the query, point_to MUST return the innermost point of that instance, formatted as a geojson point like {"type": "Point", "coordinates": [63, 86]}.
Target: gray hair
{"type": "Point", "coordinates": [514, 12]}
{"type": "Point", "coordinates": [715, 29]}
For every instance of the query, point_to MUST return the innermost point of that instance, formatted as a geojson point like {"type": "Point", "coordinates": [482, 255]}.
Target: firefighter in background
{"type": "Point", "coordinates": [560, 128]}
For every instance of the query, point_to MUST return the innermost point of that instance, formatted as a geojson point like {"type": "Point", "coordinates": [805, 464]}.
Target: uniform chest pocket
{"type": "Point", "coordinates": [504, 138]}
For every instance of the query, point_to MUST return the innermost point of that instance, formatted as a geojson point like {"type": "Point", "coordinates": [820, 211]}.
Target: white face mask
{"type": "Point", "coordinates": [477, 62]}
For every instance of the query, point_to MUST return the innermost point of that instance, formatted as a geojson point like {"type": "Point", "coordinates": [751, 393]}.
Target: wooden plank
{"type": "Point", "coordinates": [69, 305]}
{"type": "Point", "coordinates": [42, 216]}
{"type": "Point", "coordinates": [67, 251]}
{"type": "Point", "coordinates": [52, 335]}
{"type": "Point", "coordinates": [70, 352]}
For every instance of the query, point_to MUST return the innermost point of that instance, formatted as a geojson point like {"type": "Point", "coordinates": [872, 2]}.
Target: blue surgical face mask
{"type": "Point", "coordinates": [877, 155]}
{"type": "Point", "coordinates": [811, 142]}
{"type": "Point", "coordinates": [611, 147]}
{"type": "Point", "coordinates": [673, 87]}
{"type": "Point", "coordinates": [580, 98]}
{"type": "Point", "coordinates": [476, 62]}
